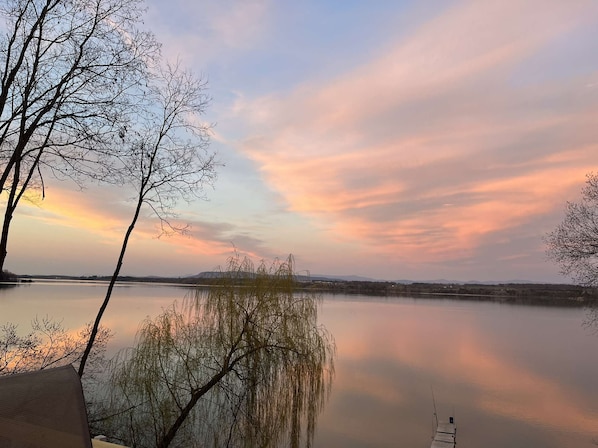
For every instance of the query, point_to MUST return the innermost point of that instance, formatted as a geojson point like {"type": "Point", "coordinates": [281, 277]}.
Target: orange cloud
{"type": "Point", "coordinates": [77, 210]}
{"type": "Point", "coordinates": [104, 214]}
{"type": "Point", "coordinates": [430, 147]}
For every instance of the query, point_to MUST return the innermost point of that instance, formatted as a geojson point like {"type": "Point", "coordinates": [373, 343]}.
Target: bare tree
{"type": "Point", "coordinates": [243, 363]}
{"type": "Point", "coordinates": [574, 243]}
{"type": "Point", "coordinates": [47, 345]}
{"type": "Point", "coordinates": [70, 72]}
{"type": "Point", "coordinates": [166, 158]}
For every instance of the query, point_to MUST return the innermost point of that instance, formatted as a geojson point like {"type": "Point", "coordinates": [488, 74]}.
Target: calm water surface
{"type": "Point", "coordinates": [513, 375]}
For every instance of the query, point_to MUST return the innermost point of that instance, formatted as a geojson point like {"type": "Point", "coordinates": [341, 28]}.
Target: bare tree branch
{"type": "Point", "coordinates": [71, 78]}
{"type": "Point", "coordinates": [166, 159]}
{"type": "Point", "coordinates": [48, 344]}
{"type": "Point", "coordinates": [574, 243]}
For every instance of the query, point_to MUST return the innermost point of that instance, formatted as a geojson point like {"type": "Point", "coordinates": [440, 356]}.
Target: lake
{"type": "Point", "coordinates": [512, 375]}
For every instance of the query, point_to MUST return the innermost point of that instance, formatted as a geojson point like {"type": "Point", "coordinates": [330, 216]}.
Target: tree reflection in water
{"type": "Point", "coordinates": [240, 364]}
{"type": "Point", "coordinates": [591, 319]}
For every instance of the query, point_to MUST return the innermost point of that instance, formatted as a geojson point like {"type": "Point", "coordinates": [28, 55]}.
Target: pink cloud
{"type": "Point", "coordinates": [430, 146]}
{"type": "Point", "coordinates": [95, 221]}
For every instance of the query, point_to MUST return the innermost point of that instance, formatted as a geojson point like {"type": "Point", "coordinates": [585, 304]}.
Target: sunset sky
{"type": "Point", "coordinates": [385, 139]}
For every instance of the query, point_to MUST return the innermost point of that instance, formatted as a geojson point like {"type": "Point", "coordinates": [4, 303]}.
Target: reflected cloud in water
{"type": "Point", "coordinates": [516, 376]}
{"type": "Point", "coordinates": [512, 375]}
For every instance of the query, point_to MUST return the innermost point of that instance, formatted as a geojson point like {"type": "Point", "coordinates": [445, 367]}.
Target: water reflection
{"type": "Point", "coordinates": [516, 376]}
{"type": "Point", "coordinates": [243, 363]}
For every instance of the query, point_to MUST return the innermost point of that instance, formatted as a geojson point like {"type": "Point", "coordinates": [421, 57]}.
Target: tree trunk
{"type": "Point", "coordinates": [96, 325]}
{"type": "Point", "coordinates": [8, 213]}
{"type": "Point", "coordinates": [11, 204]}
{"type": "Point", "coordinates": [195, 396]}
{"type": "Point", "coordinates": [14, 197]}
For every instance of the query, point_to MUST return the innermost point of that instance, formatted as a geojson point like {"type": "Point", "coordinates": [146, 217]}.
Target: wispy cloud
{"type": "Point", "coordinates": [200, 31]}
{"type": "Point", "coordinates": [405, 140]}
{"type": "Point", "coordinates": [108, 217]}
{"type": "Point", "coordinates": [440, 142]}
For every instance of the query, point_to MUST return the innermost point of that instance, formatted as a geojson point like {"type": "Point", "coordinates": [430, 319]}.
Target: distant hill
{"type": "Point", "coordinates": [358, 278]}
{"type": "Point", "coordinates": [521, 292]}
{"type": "Point", "coordinates": [318, 277]}
{"type": "Point", "coordinates": [346, 278]}
{"type": "Point", "coordinates": [211, 275]}
{"type": "Point", "coordinates": [443, 281]}
{"type": "Point", "coordinates": [207, 274]}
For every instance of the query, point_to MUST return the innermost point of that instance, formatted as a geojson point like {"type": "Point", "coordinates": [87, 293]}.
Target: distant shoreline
{"type": "Point", "coordinates": [514, 293]}
{"type": "Point", "coordinates": [567, 295]}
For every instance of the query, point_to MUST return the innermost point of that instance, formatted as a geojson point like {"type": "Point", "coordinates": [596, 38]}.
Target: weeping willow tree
{"type": "Point", "coordinates": [243, 363]}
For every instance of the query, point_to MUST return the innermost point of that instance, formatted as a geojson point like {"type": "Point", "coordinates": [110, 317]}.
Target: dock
{"type": "Point", "coordinates": [446, 435]}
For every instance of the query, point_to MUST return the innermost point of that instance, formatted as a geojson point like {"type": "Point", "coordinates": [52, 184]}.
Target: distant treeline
{"type": "Point", "coordinates": [549, 294]}
{"type": "Point", "coordinates": [523, 293]}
